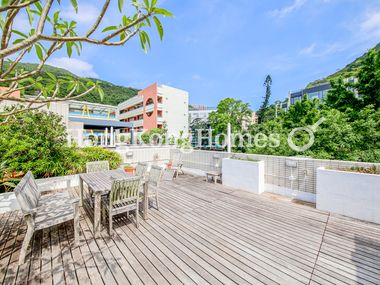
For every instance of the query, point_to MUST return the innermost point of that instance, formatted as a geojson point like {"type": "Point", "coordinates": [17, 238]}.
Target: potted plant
{"type": "Point", "coordinates": [169, 164]}
{"type": "Point", "coordinates": [129, 169]}
{"type": "Point", "coordinates": [353, 192]}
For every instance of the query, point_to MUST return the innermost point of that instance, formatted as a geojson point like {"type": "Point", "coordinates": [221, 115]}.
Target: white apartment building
{"type": "Point", "coordinates": [157, 106]}
{"type": "Point", "coordinates": [200, 112]}
{"type": "Point", "coordinates": [153, 107]}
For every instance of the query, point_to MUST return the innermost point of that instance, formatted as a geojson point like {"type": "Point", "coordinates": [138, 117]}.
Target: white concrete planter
{"type": "Point", "coordinates": [244, 174]}
{"type": "Point", "coordinates": [352, 194]}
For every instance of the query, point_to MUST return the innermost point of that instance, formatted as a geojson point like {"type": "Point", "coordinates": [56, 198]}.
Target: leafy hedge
{"type": "Point", "coordinates": [37, 141]}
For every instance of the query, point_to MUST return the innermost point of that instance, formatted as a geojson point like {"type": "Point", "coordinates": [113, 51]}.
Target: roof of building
{"type": "Point", "coordinates": [102, 123]}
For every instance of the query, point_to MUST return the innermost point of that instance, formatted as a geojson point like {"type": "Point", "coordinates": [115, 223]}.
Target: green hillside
{"type": "Point", "coordinates": [114, 94]}
{"type": "Point", "coordinates": [349, 70]}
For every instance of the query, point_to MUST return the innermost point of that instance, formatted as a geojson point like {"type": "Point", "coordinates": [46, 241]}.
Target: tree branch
{"type": "Point", "coordinates": [39, 36]}
{"type": "Point", "coordinates": [17, 6]}
{"type": "Point", "coordinates": [100, 18]}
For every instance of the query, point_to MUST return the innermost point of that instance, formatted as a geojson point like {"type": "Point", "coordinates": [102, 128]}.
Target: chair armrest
{"type": "Point", "coordinates": [74, 201]}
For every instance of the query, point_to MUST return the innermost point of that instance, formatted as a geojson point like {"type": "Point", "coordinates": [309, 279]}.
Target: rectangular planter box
{"type": "Point", "coordinates": [352, 194]}
{"type": "Point", "coordinates": [243, 174]}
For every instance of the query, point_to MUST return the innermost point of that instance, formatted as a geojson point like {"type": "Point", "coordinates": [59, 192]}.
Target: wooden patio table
{"type": "Point", "coordinates": [101, 183]}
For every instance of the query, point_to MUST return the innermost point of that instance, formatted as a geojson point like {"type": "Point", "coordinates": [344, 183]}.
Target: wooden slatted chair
{"type": "Point", "coordinates": [96, 166]}
{"type": "Point", "coordinates": [215, 174]}
{"type": "Point", "coordinates": [177, 164]}
{"type": "Point", "coordinates": [42, 212]}
{"type": "Point", "coordinates": [154, 180]}
{"type": "Point", "coordinates": [141, 169]}
{"type": "Point", "coordinates": [124, 197]}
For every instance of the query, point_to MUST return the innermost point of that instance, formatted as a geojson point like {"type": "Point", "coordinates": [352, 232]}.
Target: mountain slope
{"type": "Point", "coordinates": [349, 70]}
{"type": "Point", "coordinates": [114, 94]}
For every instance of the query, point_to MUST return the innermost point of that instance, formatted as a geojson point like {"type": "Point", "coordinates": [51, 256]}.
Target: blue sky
{"type": "Point", "coordinates": [216, 49]}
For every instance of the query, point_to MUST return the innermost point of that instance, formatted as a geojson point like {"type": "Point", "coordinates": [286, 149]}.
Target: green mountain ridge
{"type": "Point", "coordinates": [114, 94]}
{"type": "Point", "coordinates": [349, 70]}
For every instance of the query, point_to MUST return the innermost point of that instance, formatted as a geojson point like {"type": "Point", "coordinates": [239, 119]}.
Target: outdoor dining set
{"type": "Point", "coordinates": [106, 192]}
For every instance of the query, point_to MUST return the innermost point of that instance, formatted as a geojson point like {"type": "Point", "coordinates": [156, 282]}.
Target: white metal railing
{"type": "Point", "coordinates": [132, 113]}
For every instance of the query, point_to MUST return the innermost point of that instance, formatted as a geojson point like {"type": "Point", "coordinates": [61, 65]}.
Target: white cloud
{"type": "Point", "coordinates": [87, 13]}
{"type": "Point", "coordinates": [196, 77]}
{"type": "Point", "coordinates": [370, 27]}
{"type": "Point", "coordinates": [280, 13]}
{"type": "Point", "coordinates": [74, 65]}
{"type": "Point", "coordinates": [322, 50]}
{"type": "Point", "coordinates": [308, 50]}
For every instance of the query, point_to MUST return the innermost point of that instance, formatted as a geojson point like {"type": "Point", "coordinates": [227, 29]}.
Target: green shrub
{"type": "Point", "coordinates": [37, 141]}
{"type": "Point", "coordinates": [88, 154]}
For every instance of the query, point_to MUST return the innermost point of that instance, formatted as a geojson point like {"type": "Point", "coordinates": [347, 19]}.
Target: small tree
{"type": "Point", "coordinates": [230, 111]}
{"type": "Point", "coordinates": [268, 93]}
{"type": "Point", "coordinates": [49, 33]}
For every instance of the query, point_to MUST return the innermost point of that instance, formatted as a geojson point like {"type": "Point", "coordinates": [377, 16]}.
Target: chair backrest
{"type": "Point", "coordinates": [155, 175]}
{"type": "Point", "coordinates": [141, 169]}
{"type": "Point", "coordinates": [27, 193]}
{"type": "Point", "coordinates": [125, 190]}
{"type": "Point", "coordinates": [97, 166]}
{"type": "Point", "coordinates": [177, 159]}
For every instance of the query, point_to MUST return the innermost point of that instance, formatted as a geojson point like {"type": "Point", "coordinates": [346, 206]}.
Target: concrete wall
{"type": "Point", "coordinates": [243, 174]}
{"type": "Point", "coordinates": [175, 109]}
{"type": "Point", "coordinates": [137, 154]}
{"type": "Point", "coordinates": [290, 176]}
{"type": "Point", "coordinates": [355, 195]}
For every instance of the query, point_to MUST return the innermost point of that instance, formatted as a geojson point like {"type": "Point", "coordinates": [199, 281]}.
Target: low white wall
{"type": "Point", "coordinates": [131, 154]}
{"type": "Point", "coordinates": [352, 194]}
{"type": "Point", "coordinates": [291, 193]}
{"type": "Point", "coordinates": [243, 174]}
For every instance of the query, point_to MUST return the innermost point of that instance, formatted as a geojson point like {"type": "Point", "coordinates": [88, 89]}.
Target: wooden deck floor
{"type": "Point", "coordinates": [203, 234]}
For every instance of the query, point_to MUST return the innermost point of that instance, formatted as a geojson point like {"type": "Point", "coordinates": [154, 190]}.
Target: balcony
{"type": "Point", "coordinates": [131, 102]}
{"type": "Point", "coordinates": [132, 113]}
{"type": "Point", "coordinates": [149, 108]}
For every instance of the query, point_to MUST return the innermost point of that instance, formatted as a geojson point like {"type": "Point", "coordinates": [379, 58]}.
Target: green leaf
{"type": "Point", "coordinates": [146, 36]}
{"type": "Point", "coordinates": [39, 52]}
{"type": "Point", "coordinates": [78, 48]}
{"type": "Point", "coordinates": [143, 42]}
{"type": "Point", "coordinates": [4, 2]}
{"type": "Point", "coordinates": [74, 3]}
{"type": "Point", "coordinates": [51, 75]}
{"type": "Point", "coordinates": [153, 4]}
{"type": "Point", "coordinates": [17, 41]}
{"type": "Point", "coordinates": [38, 6]}
{"type": "Point", "coordinates": [148, 22]}
{"type": "Point", "coordinates": [101, 93]}
{"type": "Point", "coordinates": [160, 29]}
{"type": "Point", "coordinates": [110, 28]}
{"type": "Point", "coordinates": [69, 48]}
{"type": "Point", "coordinates": [126, 20]}
{"type": "Point", "coordinates": [120, 4]}
{"type": "Point", "coordinates": [146, 2]}
{"type": "Point", "coordinates": [56, 16]}
{"type": "Point", "coordinates": [30, 15]}
{"type": "Point", "coordinates": [163, 12]}
{"type": "Point", "coordinates": [19, 33]}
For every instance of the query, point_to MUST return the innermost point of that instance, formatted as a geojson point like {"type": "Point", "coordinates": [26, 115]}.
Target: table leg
{"type": "Point", "coordinates": [81, 191]}
{"type": "Point", "coordinates": [146, 202]}
{"type": "Point", "coordinates": [97, 206]}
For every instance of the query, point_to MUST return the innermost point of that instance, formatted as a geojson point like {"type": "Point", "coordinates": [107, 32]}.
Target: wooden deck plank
{"type": "Point", "coordinates": [203, 234]}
